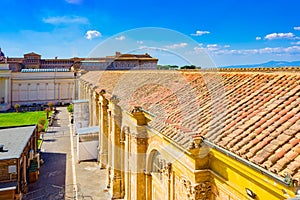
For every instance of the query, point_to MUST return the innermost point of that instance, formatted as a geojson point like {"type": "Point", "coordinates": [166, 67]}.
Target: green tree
{"type": "Point", "coordinates": [70, 108]}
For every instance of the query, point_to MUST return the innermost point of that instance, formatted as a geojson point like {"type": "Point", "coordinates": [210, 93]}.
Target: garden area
{"type": "Point", "coordinates": [20, 118]}
{"type": "Point", "coordinates": [15, 119]}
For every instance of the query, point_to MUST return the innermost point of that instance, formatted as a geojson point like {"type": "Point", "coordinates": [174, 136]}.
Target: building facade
{"type": "Point", "coordinates": [117, 62]}
{"type": "Point", "coordinates": [34, 61]}
{"type": "Point", "coordinates": [120, 62]}
{"type": "Point", "coordinates": [33, 80]}
{"type": "Point", "coordinates": [18, 154]}
{"type": "Point", "coordinates": [228, 134]}
{"type": "Point", "coordinates": [5, 85]}
{"type": "Point", "coordinates": [42, 86]}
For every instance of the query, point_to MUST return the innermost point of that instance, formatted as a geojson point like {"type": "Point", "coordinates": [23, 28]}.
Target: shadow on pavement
{"type": "Point", "coordinates": [49, 140]}
{"type": "Point", "coordinates": [51, 180]}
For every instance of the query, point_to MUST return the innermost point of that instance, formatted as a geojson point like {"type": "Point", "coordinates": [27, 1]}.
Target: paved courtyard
{"type": "Point", "coordinates": [61, 176]}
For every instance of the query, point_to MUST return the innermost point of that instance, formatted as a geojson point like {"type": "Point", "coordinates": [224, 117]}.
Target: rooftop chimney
{"type": "Point", "coordinates": [118, 53]}
{"type": "Point", "coordinates": [1, 148]}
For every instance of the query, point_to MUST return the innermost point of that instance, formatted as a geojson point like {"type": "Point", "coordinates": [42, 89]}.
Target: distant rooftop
{"type": "Point", "coordinates": [14, 141]}
{"type": "Point", "coordinates": [44, 70]}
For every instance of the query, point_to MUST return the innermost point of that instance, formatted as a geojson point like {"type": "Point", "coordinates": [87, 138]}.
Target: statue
{"type": "Point", "coordinates": [2, 56]}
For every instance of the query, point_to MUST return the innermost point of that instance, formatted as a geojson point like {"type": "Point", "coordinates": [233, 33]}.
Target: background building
{"type": "Point", "coordinates": [120, 62]}
{"type": "Point", "coordinates": [32, 80]}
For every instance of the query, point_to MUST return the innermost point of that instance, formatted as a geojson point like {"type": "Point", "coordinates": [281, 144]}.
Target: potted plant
{"type": "Point", "coordinates": [51, 104]}
{"type": "Point", "coordinates": [47, 110]}
{"type": "Point", "coordinates": [17, 107]}
{"type": "Point", "coordinates": [70, 108]}
{"type": "Point", "coordinates": [41, 126]}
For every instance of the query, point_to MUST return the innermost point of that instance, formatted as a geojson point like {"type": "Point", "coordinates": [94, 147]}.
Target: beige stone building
{"type": "Point", "coordinates": [42, 86]}
{"type": "Point", "coordinates": [32, 80]}
{"type": "Point", "coordinates": [228, 134]}
{"type": "Point", "coordinates": [5, 85]}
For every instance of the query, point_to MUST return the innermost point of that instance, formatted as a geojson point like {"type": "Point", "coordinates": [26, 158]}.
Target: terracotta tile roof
{"type": "Point", "coordinates": [255, 115]}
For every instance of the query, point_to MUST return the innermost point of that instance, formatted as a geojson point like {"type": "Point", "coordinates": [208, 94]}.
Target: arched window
{"type": "Point", "coordinates": [157, 165]}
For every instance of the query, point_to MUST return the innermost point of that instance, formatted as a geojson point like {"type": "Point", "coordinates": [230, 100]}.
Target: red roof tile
{"type": "Point", "coordinates": [255, 115]}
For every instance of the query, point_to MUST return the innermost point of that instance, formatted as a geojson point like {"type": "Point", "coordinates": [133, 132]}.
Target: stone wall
{"type": "Point", "coordinates": [42, 87]}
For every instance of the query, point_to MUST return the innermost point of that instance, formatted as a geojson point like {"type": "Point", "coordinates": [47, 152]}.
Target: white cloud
{"type": "Point", "coordinates": [297, 28]}
{"type": "Point", "coordinates": [296, 43]}
{"type": "Point", "coordinates": [274, 36]}
{"type": "Point", "coordinates": [211, 45]}
{"type": "Point", "coordinates": [140, 42]}
{"type": "Point", "coordinates": [199, 33]}
{"type": "Point", "coordinates": [176, 46]}
{"type": "Point", "coordinates": [199, 49]}
{"type": "Point", "coordinates": [122, 37]}
{"type": "Point", "coordinates": [73, 1]}
{"type": "Point", "coordinates": [266, 50]}
{"type": "Point", "coordinates": [216, 49]}
{"type": "Point", "coordinates": [152, 48]}
{"type": "Point", "coordinates": [91, 34]}
{"type": "Point", "coordinates": [66, 20]}
{"type": "Point", "coordinates": [258, 38]}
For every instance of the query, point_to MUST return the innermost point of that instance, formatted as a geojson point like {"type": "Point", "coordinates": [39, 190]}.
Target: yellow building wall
{"type": "Point", "coordinates": [232, 177]}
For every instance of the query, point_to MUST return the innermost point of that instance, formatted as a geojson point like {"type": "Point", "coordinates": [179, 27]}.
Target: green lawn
{"type": "Point", "coordinates": [39, 143]}
{"type": "Point", "coordinates": [21, 118]}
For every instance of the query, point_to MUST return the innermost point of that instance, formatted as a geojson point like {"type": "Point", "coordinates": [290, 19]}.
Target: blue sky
{"type": "Point", "coordinates": [225, 32]}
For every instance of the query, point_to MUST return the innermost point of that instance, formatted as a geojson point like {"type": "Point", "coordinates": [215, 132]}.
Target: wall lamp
{"type": "Point", "coordinates": [250, 193]}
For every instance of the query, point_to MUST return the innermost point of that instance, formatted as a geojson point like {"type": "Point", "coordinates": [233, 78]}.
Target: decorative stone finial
{"type": "Point", "coordinates": [102, 92]}
{"type": "Point", "coordinates": [137, 109]}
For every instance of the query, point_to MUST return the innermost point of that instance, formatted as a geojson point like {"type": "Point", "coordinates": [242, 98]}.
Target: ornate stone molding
{"type": "Point", "coordinates": [202, 191]}
{"type": "Point", "coordinates": [198, 191]}
{"type": "Point", "coordinates": [102, 92]}
{"type": "Point", "coordinates": [167, 169]}
{"type": "Point", "coordinates": [114, 99]}
{"type": "Point", "coordinates": [195, 144]}
{"type": "Point", "coordinates": [125, 131]}
{"type": "Point", "coordinates": [96, 96]}
{"type": "Point", "coordinates": [141, 141]}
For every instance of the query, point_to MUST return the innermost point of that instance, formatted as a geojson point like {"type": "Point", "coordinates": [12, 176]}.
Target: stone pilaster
{"type": "Point", "coordinates": [103, 138]}
{"type": "Point", "coordinates": [137, 149]}
{"type": "Point", "coordinates": [91, 102]}
{"type": "Point", "coordinates": [96, 109]}
{"type": "Point", "coordinates": [116, 158]}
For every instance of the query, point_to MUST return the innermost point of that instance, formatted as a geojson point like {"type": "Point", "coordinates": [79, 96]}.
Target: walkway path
{"type": "Point", "coordinates": [57, 177]}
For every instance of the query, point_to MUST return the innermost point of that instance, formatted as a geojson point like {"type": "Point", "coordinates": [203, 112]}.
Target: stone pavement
{"type": "Point", "coordinates": [56, 179]}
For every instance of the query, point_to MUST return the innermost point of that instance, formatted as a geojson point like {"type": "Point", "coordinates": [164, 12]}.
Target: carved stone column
{"type": "Point", "coordinates": [148, 185]}
{"type": "Point", "coordinates": [103, 138]}
{"type": "Point", "coordinates": [138, 143]}
{"type": "Point", "coordinates": [167, 172]}
{"type": "Point", "coordinates": [91, 102]}
{"type": "Point", "coordinates": [116, 165]}
{"type": "Point", "coordinates": [95, 109]}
